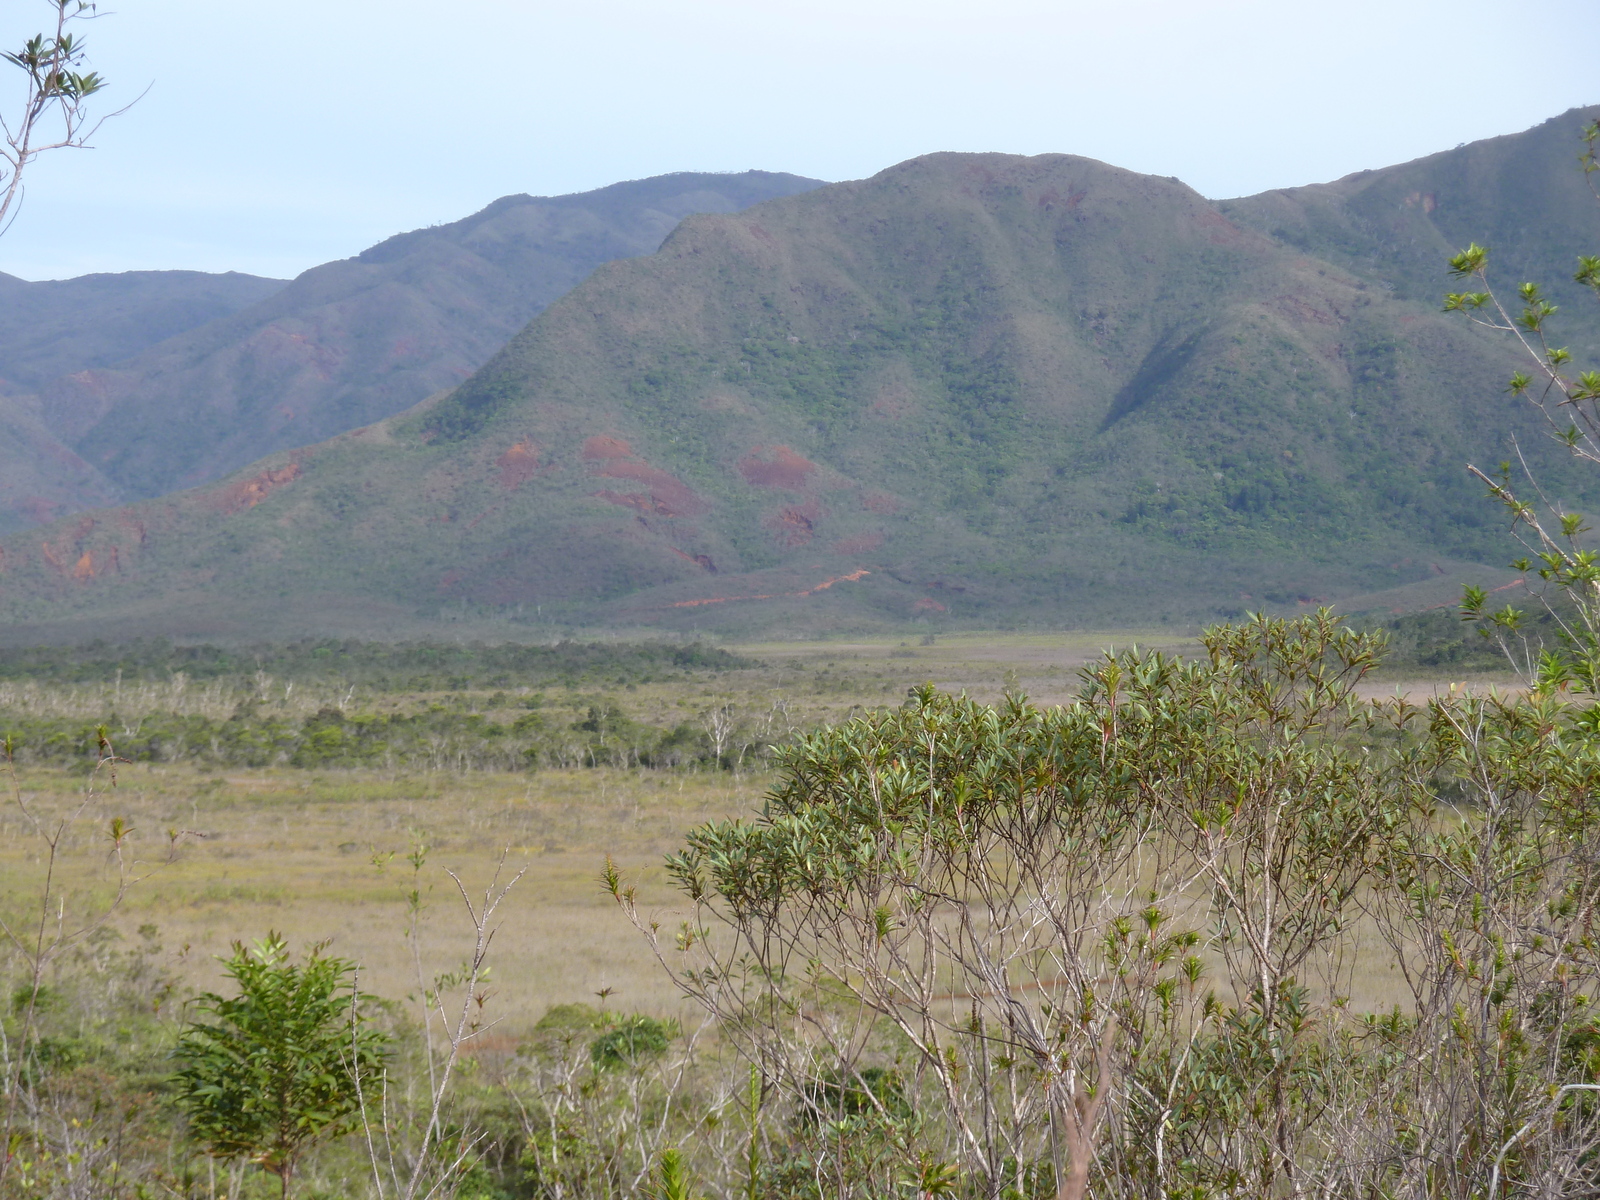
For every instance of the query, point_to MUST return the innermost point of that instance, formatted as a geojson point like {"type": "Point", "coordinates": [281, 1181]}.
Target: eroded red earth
{"type": "Point", "coordinates": [810, 591]}
{"type": "Point", "coordinates": [776, 467]}
{"type": "Point", "coordinates": [248, 493]}
{"type": "Point", "coordinates": [862, 543]}
{"type": "Point", "coordinates": [603, 447]}
{"type": "Point", "coordinates": [795, 524]}
{"type": "Point", "coordinates": [664, 494]}
{"type": "Point", "coordinates": [518, 464]}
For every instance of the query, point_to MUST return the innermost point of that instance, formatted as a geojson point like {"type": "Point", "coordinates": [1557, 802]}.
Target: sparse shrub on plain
{"type": "Point", "coordinates": [276, 1069]}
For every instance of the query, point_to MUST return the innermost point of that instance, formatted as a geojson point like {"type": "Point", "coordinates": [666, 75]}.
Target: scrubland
{"type": "Point", "coordinates": [319, 853]}
{"type": "Point", "coordinates": [343, 798]}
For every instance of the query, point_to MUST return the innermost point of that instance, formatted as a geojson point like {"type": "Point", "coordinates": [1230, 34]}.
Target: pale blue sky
{"type": "Point", "coordinates": [280, 135]}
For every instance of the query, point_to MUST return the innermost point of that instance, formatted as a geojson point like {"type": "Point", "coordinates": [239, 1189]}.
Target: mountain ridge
{"type": "Point", "coordinates": [54, 327]}
{"type": "Point", "coordinates": [356, 340]}
{"type": "Point", "coordinates": [973, 388]}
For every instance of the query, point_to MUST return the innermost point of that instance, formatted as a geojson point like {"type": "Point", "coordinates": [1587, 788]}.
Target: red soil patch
{"type": "Point", "coordinates": [87, 565]}
{"type": "Point", "coordinates": [277, 343]}
{"type": "Point", "coordinates": [785, 469]}
{"type": "Point", "coordinates": [91, 381]}
{"type": "Point", "coordinates": [133, 525]}
{"type": "Point", "coordinates": [644, 505]}
{"type": "Point", "coordinates": [63, 456]}
{"type": "Point", "coordinates": [1050, 197]}
{"type": "Point", "coordinates": [668, 495]}
{"type": "Point", "coordinates": [1301, 311]}
{"type": "Point", "coordinates": [603, 447]}
{"type": "Point", "coordinates": [518, 464]}
{"type": "Point", "coordinates": [810, 591]}
{"type": "Point", "coordinates": [248, 493]}
{"type": "Point", "coordinates": [795, 524]}
{"type": "Point", "coordinates": [928, 605]}
{"type": "Point", "coordinates": [88, 568]}
{"type": "Point", "coordinates": [828, 583]}
{"type": "Point", "coordinates": [880, 502]}
{"type": "Point", "coordinates": [862, 543]}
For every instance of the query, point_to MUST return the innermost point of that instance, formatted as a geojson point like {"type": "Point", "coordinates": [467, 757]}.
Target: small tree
{"type": "Point", "coordinates": [276, 1070]}
{"type": "Point", "coordinates": [56, 84]}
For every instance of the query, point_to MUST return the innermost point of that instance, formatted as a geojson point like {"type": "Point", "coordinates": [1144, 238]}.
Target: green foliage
{"type": "Point", "coordinates": [278, 1067]}
{"type": "Point", "coordinates": [96, 1059]}
{"type": "Point", "coordinates": [1080, 874]}
{"type": "Point", "coordinates": [870, 1092]}
{"type": "Point", "coordinates": [1217, 926]}
{"type": "Point", "coordinates": [437, 737]}
{"type": "Point", "coordinates": [56, 87]}
{"type": "Point", "coordinates": [672, 1179]}
{"type": "Point", "coordinates": [1566, 568]}
{"type": "Point", "coordinates": [389, 725]}
{"type": "Point", "coordinates": [630, 1041]}
{"type": "Point", "coordinates": [384, 666]}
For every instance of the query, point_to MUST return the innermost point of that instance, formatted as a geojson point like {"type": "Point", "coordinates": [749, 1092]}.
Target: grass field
{"type": "Point", "coordinates": [293, 850]}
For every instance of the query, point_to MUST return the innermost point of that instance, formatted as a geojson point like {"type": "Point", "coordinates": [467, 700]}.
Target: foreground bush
{"type": "Point", "coordinates": [1217, 928]}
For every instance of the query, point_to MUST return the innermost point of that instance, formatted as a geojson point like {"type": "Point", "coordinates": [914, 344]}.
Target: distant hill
{"type": "Point", "coordinates": [974, 388]}
{"type": "Point", "coordinates": [1521, 195]}
{"type": "Point", "coordinates": [60, 327]}
{"type": "Point", "coordinates": [351, 342]}
{"type": "Point", "coordinates": [41, 478]}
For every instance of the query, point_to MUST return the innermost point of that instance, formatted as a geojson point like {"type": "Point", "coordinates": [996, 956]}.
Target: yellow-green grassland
{"type": "Point", "coordinates": [223, 852]}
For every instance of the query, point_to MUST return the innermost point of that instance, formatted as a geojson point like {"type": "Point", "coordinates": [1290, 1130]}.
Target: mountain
{"type": "Point", "coordinates": [61, 327]}
{"type": "Point", "coordinates": [351, 342]}
{"type": "Point", "coordinates": [975, 388]}
{"type": "Point", "coordinates": [1521, 195]}
{"type": "Point", "coordinates": [40, 477]}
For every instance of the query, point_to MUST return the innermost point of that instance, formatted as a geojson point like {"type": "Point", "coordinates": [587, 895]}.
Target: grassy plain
{"type": "Point", "coordinates": [294, 850]}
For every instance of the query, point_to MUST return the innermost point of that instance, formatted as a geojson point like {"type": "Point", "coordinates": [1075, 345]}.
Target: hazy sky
{"type": "Point", "coordinates": [277, 135]}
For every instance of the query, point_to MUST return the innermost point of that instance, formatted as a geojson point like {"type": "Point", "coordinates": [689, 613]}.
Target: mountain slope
{"type": "Point", "coordinates": [59, 326]}
{"type": "Point", "coordinates": [40, 478]}
{"type": "Point", "coordinates": [979, 386]}
{"type": "Point", "coordinates": [1521, 195]}
{"type": "Point", "coordinates": [351, 342]}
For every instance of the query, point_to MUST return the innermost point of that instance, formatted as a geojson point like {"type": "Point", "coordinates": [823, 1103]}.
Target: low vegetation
{"type": "Point", "coordinates": [1216, 926]}
{"type": "Point", "coordinates": [1221, 923]}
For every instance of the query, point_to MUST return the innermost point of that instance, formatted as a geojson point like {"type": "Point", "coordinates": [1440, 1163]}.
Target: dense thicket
{"type": "Point", "coordinates": [505, 738]}
{"type": "Point", "coordinates": [384, 666]}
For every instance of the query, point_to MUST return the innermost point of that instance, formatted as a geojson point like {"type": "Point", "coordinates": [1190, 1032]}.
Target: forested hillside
{"type": "Point", "coordinates": [356, 340]}
{"type": "Point", "coordinates": [970, 388]}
